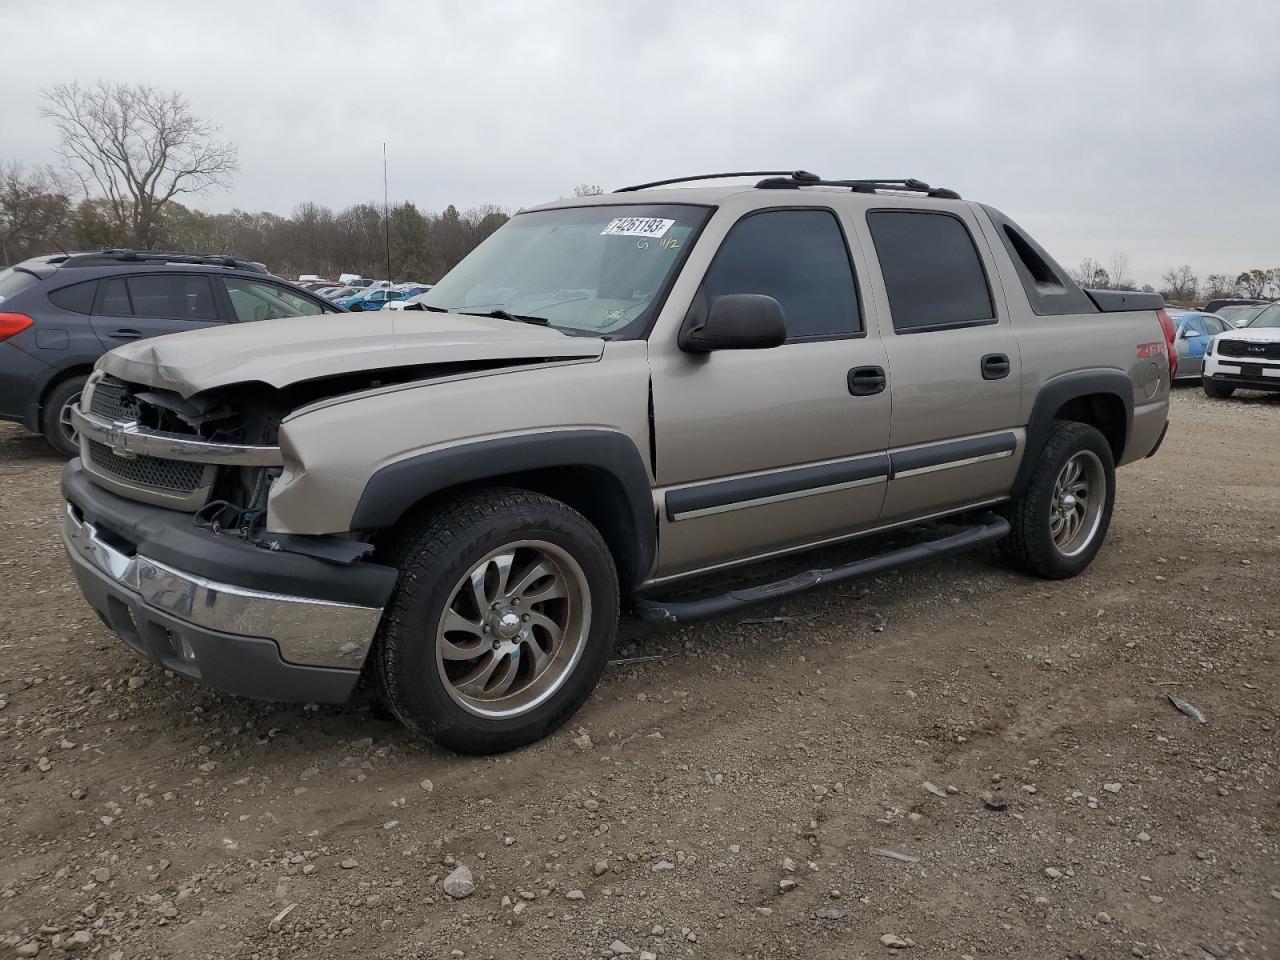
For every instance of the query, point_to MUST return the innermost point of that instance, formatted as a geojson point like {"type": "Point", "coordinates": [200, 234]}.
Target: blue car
{"type": "Point", "coordinates": [1195, 329]}
{"type": "Point", "coordinates": [376, 299]}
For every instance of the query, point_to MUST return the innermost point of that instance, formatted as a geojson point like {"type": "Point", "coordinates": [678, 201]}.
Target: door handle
{"type": "Point", "coordinates": [995, 366]}
{"type": "Point", "coordinates": [866, 381]}
{"type": "Point", "coordinates": [125, 333]}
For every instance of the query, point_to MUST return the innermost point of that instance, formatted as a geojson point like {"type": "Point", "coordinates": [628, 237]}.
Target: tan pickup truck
{"type": "Point", "coordinates": [610, 395]}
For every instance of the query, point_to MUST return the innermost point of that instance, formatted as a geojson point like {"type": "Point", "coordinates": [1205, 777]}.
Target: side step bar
{"type": "Point", "coordinates": [988, 529]}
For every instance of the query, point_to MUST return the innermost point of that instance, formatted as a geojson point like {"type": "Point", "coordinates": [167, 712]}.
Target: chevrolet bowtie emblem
{"type": "Point", "coordinates": [116, 441]}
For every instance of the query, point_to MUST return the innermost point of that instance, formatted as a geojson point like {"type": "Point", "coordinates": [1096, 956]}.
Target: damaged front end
{"type": "Point", "coordinates": [212, 455]}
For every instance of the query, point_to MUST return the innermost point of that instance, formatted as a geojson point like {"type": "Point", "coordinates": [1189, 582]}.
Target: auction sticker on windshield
{"type": "Point", "coordinates": [636, 227]}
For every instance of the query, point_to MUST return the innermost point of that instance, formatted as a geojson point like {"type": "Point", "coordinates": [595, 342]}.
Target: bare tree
{"type": "Point", "coordinates": [1218, 285]}
{"type": "Point", "coordinates": [1180, 284]}
{"type": "Point", "coordinates": [140, 146]}
{"type": "Point", "coordinates": [1118, 268]}
{"type": "Point", "coordinates": [1092, 274]}
{"type": "Point", "coordinates": [587, 190]}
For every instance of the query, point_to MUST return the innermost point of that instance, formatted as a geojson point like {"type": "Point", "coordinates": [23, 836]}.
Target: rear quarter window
{"type": "Point", "coordinates": [931, 269]}
{"type": "Point", "coordinates": [77, 298]}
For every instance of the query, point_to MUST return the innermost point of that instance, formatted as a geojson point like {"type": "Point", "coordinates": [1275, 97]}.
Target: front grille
{"type": "Point", "coordinates": [111, 400]}
{"type": "Point", "coordinates": [173, 475]}
{"type": "Point", "coordinates": [1249, 348]}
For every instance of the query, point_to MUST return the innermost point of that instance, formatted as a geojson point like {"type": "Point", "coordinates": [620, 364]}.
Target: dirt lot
{"type": "Point", "coordinates": [143, 817]}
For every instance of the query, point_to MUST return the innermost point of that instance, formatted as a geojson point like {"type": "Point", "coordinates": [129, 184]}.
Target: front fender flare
{"type": "Point", "coordinates": [395, 488]}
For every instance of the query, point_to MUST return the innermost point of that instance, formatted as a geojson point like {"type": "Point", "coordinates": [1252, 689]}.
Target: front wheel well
{"type": "Point", "coordinates": [1105, 411]}
{"type": "Point", "coordinates": [593, 492]}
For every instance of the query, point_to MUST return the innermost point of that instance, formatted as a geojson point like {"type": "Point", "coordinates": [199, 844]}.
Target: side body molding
{"type": "Point", "coordinates": [398, 486]}
{"type": "Point", "coordinates": [1059, 391]}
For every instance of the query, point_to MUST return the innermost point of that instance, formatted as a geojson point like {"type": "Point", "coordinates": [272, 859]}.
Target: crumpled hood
{"type": "Point", "coordinates": [286, 351]}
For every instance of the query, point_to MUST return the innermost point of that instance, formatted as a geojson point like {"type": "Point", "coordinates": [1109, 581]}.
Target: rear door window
{"type": "Point", "coordinates": [931, 269]}
{"type": "Point", "coordinates": [115, 299]}
{"type": "Point", "coordinates": [253, 300]}
{"type": "Point", "coordinates": [172, 296]}
{"type": "Point", "coordinates": [799, 258]}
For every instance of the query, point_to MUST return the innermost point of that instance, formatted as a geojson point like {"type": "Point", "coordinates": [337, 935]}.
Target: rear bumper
{"type": "Point", "coordinates": [216, 625]}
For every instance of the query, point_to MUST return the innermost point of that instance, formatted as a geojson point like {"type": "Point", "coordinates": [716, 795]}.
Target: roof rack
{"type": "Point", "coordinates": [910, 185]}
{"type": "Point", "coordinates": [793, 179]}
{"type": "Point", "coordinates": [719, 176]}
{"type": "Point", "coordinates": [105, 257]}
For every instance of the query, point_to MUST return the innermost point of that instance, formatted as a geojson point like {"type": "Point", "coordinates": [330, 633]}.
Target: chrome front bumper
{"type": "Point", "coordinates": [307, 632]}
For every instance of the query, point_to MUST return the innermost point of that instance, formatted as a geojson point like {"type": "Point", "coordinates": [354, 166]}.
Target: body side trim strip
{"type": "Point", "coordinates": [777, 498]}
{"type": "Point", "coordinates": [952, 453]}
{"type": "Point", "coordinates": [683, 502]}
{"type": "Point", "coordinates": [722, 496]}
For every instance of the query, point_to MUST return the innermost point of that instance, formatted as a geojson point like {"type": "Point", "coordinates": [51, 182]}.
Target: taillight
{"type": "Point", "coordinates": [1171, 341]}
{"type": "Point", "coordinates": [12, 324]}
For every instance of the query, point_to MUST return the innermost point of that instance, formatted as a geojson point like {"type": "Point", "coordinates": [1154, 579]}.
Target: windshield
{"type": "Point", "coordinates": [1270, 317]}
{"type": "Point", "coordinates": [590, 270]}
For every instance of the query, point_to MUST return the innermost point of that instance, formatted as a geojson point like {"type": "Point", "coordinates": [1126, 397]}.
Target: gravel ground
{"type": "Point", "coordinates": [954, 762]}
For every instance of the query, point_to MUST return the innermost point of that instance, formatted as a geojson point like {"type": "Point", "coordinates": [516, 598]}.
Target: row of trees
{"type": "Point", "coordinates": [39, 214]}
{"type": "Point", "coordinates": [1180, 284]}
{"type": "Point", "coordinates": [1183, 285]}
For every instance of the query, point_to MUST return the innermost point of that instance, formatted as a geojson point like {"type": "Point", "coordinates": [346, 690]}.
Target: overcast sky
{"type": "Point", "coordinates": [1151, 128]}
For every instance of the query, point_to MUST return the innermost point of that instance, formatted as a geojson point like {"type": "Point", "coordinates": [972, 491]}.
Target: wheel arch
{"type": "Point", "coordinates": [55, 380]}
{"type": "Point", "coordinates": [600, 473]}
{"type": "Point", "coordinates": [1100, 398]}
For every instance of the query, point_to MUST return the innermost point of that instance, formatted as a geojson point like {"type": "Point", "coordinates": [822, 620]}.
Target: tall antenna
{"type": "Point", "coordinates": [386, 208]}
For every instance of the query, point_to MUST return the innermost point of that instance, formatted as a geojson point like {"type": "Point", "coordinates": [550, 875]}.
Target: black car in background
{"type": "Point", "coordinates": [1213, 306]}
{"type": "Point", "coordinates": [59, 313]}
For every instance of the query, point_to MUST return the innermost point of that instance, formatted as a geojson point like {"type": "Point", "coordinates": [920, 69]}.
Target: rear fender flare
{"type": "Point", "coordinates": [1060, 391]}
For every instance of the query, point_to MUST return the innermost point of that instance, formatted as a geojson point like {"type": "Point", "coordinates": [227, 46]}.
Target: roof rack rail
{"type": "Point", "coordinates": [909, 185]}
{"type": "Point", "coordinates": [791, 179]}
{"type": "Point", "coordinates": [104, 257]}
{"type": "Point", "coordinates": [794, 174]}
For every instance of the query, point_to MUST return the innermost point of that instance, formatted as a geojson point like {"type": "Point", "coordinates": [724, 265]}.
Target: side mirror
{"type": "Point", "coordinates": [1189, 334]}
{"type": "Point", "coordinates": [735, 321]}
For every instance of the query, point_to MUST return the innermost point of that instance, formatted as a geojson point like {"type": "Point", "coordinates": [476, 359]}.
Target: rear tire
{"type": "Point", "coordinates": [1060, 521]}
{"type": "Point", "coordinates": [1218, 391]}
{"type": "Point", "coordinates": [501, 624]}
{"type": "Point", "coordinates": [55, 423]}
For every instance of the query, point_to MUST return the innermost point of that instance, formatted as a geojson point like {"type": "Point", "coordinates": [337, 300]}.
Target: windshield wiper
{"type": "Point", "coordinates": [517, 317]}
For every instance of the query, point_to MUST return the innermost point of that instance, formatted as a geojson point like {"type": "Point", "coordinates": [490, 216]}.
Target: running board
{"type": "Point", "coordinates": [988, 529]}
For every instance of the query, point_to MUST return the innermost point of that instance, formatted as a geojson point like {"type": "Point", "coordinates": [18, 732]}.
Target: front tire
{"type": "Point", "coordinates": [1218, 391]}
{"type": "Point", "coordinates": [55, 416]}
{"type": "Point", "coordinates": [501, 623]}
{"type": "Point", "coordinates": [1060, 521]}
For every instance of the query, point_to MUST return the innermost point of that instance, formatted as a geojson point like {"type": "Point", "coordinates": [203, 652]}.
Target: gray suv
{"type": "Point", "coordinates": [59, 313]}
{"type": "Point", "coordinates": [609, 397]}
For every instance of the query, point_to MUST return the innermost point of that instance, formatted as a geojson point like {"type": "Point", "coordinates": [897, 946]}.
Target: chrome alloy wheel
{"type": "Point", "coordinates": [64, 420]}
{"type": "Point", "coordinates": [1079, 497]}
{"type": "Point", "coordinates": [514, 629]}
